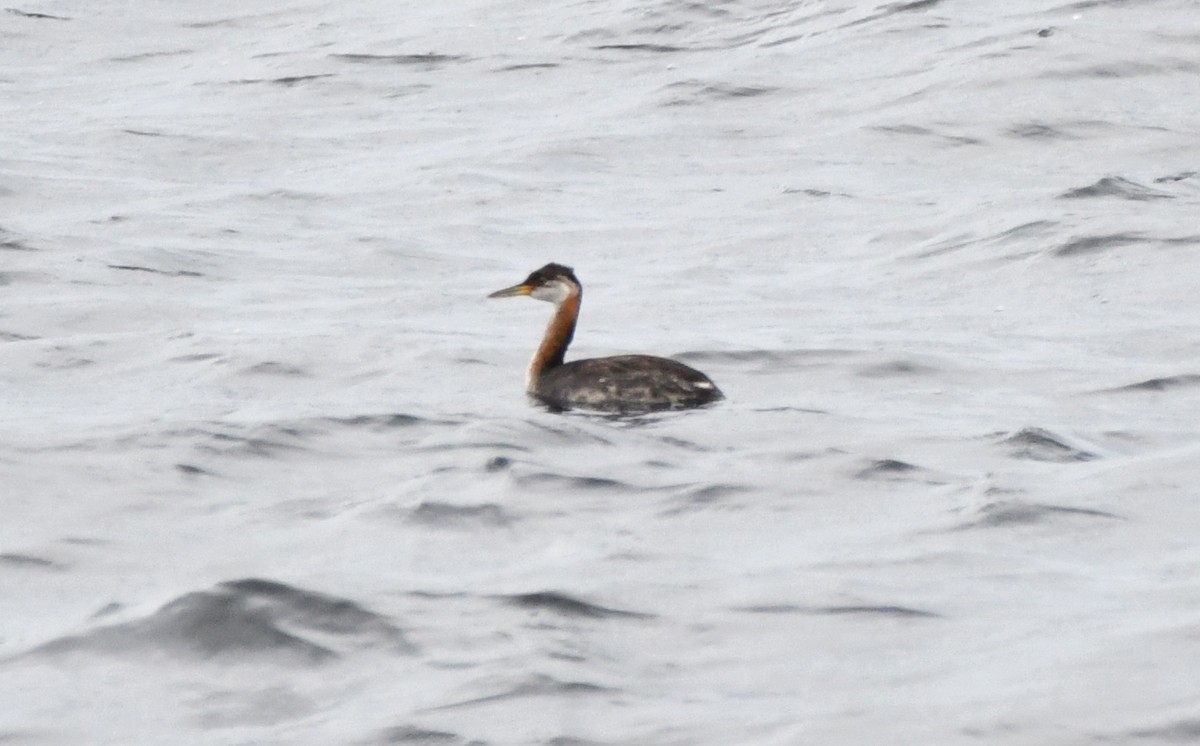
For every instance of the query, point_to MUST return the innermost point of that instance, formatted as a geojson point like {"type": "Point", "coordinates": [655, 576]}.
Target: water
{"type": "Point", "coordinates": [269, 476]}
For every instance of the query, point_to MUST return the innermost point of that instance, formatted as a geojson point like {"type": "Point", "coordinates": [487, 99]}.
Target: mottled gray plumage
{"type": "Point", "coordinates": [625, 383]}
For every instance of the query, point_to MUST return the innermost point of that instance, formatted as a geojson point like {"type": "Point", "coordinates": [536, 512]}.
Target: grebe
{"type": "Point", "coordinates": [624, 383]}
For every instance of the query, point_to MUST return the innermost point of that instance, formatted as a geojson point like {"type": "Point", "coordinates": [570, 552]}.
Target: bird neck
{"type": "Point", "coordinates": [559, 332]}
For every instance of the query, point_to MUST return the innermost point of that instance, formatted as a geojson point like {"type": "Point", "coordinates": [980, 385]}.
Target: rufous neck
{"type": "Point", "coordinates": [559, 332]}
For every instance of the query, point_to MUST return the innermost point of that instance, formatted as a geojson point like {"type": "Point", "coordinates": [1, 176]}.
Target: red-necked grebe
{"type": "Point", "coordinates": [624, 383]}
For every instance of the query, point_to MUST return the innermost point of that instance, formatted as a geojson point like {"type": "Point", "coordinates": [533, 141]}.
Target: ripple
{"type": "Point", "coordinates": [768, 361]}
{"type": "Point", "coordinates": [274, 368]}
{"type": "Point", "coordinates": [28, 562]}
{"type": "Point", "coordinates": [268, 445]}
{"type": "Point", "coordinates": [8, 242]}
{"type": "Point", "coordinates": [1093, 244]}
{"type": "Point", "coordinates": [643, 47]}
{"type": "Point", "coordinates": [1014, 513]}
{"type": "Point", "coordinates": [1185, 380]}
{"type": "Point", "coordinates": [1019, 236]}
{"type": "Point", "coordinates": [287, 81]}
{"type": "Point", "coordinates": [498, 463]}
{"type": "Point", "coordinates": [427, 61]}
{"type": "Point", "coordinates": [1180, 731]}
{"type": "Point", "coordinates": [561, 481]}
{"type": "Point", "coordinates": [527, 66]}
{"type": "Point", "coordinates": [813, 192]}
{"type": "Point", "coordinates": [192, 470]}
{"type": "Point", "coordinates": [199, 357]}
{"type": "Point", "coordinates": [900, 612]}
{"type": "Point", "coordinates": [699, 91]}
{"type": "Point", "coordinates": [561, 603]}
{"type": "Point", "coordinates": [709, 494]}
{"type": "Point", "coordinates": [37, 16]}
{"type": "Point", "coordinates": [897, 368]}
{"type": "Point", "coordinates": [890, 9]}
{"type": "Point", "coordinates": [411, 735]}
{"type": "Point", "coordinates": [15, 337]}
{"type": "Point", "coordinates": [1116, 186]}
{"type": "Point", "coordinates": [884, 610]}
{"type": "Point", "coordinates": [447, 515]}
{"type": "Point", "coordinates": [888, 469]}
{"type": "Point", "coordinates": [1040, 131]}
{"type": "Point", "coordinates": [242, 620]}
{"type": "Point", "coordinates": [1037, 444]}
{"type": "Point", "coordinates": [156, 271]}
{"type": "Point", "coordinates": [379, 422]}
{"type": "Point", "coordinates": [1125, 69]}
{"type": "Point", "coordinates": [917, 131]}
{"type": "Point", "coordinates": [535, 685]}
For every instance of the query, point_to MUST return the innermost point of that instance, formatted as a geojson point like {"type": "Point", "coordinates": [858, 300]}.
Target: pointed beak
{"type": "Point", "coordinates": [514, 290]}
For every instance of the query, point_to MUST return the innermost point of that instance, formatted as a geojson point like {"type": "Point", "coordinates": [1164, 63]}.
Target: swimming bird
{"type": "Point", "coordinates": [623, 383]}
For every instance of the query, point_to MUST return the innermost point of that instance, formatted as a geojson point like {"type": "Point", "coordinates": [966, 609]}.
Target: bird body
{"type": "Point", "coordinates": [623, 383]}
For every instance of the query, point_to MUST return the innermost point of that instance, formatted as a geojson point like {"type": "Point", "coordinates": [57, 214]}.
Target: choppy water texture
{"type": "Point", "coordinates": [268, 474]}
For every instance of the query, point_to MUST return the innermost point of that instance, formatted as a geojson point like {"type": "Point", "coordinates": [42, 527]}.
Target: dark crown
{"type": "Point", "coordinates": [550, 273]}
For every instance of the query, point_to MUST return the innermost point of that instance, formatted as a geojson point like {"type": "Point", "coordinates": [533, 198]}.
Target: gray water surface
{"type": "Point", "coordinates": [268, 475]}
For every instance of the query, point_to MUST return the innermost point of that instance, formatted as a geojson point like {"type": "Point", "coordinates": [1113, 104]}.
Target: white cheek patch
{"type": "Point", "coordinates": [555, 292]}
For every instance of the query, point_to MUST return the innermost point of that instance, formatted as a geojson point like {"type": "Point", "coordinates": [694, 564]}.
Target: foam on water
{"type": "Point", "coordinates": [268, 474]}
